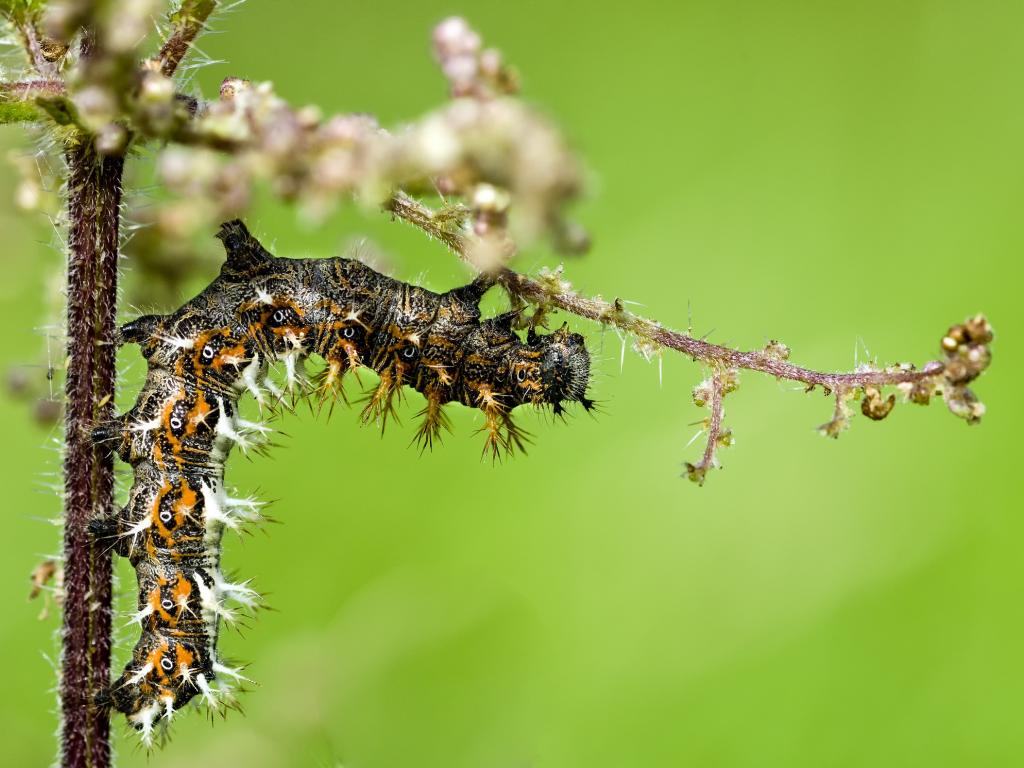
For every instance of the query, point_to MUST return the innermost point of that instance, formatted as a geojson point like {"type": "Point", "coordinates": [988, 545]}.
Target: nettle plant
{"type": "Point", "coordinates": [483, 174]}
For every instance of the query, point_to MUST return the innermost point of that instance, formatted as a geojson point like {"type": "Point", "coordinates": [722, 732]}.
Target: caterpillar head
{"type": "Point", "coordinates": [561, 372]}
{"type": "Point", "coordinates": [163, 676]}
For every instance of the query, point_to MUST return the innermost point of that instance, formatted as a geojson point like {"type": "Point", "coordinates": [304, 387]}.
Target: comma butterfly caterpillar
{"type": "Point", "coordinates": [201, 358]}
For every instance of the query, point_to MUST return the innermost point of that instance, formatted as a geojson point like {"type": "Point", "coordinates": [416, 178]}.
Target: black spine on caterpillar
{"type": "Point", "coordinates": [217, 347]}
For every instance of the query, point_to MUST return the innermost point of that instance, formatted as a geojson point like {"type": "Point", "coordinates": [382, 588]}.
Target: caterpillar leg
{"type": "Point", "coordinates": [141, 329]}
{"type": "Point", "coordinates": [106, 533]}
{"type": "Point", "coordinates": [112, 435]}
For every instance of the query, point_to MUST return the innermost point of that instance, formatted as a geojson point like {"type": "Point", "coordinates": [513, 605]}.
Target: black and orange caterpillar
{"type": "Point", "coordinates": [204, 356]}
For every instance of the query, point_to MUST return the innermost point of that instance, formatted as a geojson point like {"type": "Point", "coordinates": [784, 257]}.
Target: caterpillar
{"type": "Point", "coordinates": [203, 357]}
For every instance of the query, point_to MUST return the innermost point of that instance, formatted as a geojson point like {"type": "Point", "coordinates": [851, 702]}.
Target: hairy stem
{"type": "Point", "coordinates": [711, 393]}
{"type": "Point", "coordinates": [108, 234]}
{"type": "Point", "coordinates": [612, 313]}
{"type": "Point", "coordinates": [557, 293]}
{"type": "Point", "coordinates": [30, 39]}
{"type": "Point", "coordinates": [79, 460]}
{"type": "Point", "coordinates": [715, 420]}
{"type": "Point", "coordinates": [29, 89]}
{"type": "Point", "coordinates": [414, 212]}
{"type": "Point", "coordinates": [94, 202]}
{"type": "Point", "coordinates": [698, 471]}
{"type": "Point", "coordinates": [188, 21]}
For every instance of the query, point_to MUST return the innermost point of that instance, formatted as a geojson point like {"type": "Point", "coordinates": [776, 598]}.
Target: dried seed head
{"type": "Point", "coordinates": [874, 406]}
{"type": "Point", "coordinates": [53, 50]}
{"type": "Point", "coordinates": [730, 381]}
{"type": "Point", "coordinates": [919, 392]}
{"type": "Point", "coordinates": [963, 403]}
{"type": "Point", "coordinates": [702, 393]}
{"type": "Point", "coordinates": [966, 349]}
{"type": "Point", "coordinates": [840, 416]}
{"type": "Point", "coordinates": [230, 87]}
{"type": "Point", "coordinates": [776, 350]}
{"type": "Point", "coordinates": [696, 473]}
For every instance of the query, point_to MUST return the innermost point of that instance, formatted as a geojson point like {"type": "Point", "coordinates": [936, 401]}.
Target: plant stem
{"type": "Point", "coordinates": [714, 421]}
{"type": "Point", "coordinates": [557, 293]}
{"type": "Point", "coordinates": [27, 89]}
{"type": "Point", "coordinates": [30, 39]}
{"type": "Point", "coordinates": [188, 21]}
{"type": "Point", "coordinates": [612, 313]}
{"type": "Point", "coordinates": [79, 459]}
{"type": "Point", "coordinates": [713, 427]}
{"type": "Point", "coordinates": [108, 233]}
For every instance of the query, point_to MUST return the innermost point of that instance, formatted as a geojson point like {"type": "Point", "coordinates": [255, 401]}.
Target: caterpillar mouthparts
{"type": "Point", "coordinates": [216, 348]}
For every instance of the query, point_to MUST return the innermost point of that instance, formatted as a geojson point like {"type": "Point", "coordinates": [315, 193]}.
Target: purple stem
{"type": "Point", "coordinates": [79, 461]}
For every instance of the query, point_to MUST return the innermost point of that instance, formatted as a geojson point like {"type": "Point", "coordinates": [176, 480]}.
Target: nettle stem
{"type": "Point", "coordinates": [551, 291]}
{"type": "Point", "coordinates": [79, 456]}
{"type": "Point", "coordinates": [108, 234]}
{"type": "Point", "coordinates": [94, 201]}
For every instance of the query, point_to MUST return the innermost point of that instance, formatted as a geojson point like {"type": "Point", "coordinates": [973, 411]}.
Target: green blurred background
{"type": "Point", "coordinates": [840, 176]}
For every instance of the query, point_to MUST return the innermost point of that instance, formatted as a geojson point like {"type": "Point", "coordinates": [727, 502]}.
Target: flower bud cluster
{"type": "Point", "coordinates": [967, 353]}
{"type": "Point", "coordinates": [470, 70]}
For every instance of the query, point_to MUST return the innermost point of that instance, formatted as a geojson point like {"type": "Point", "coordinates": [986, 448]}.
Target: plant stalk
{"type": "Point", "coordinates": [111, 170]}
{"type": "Point", "coordinates": [79, 457]}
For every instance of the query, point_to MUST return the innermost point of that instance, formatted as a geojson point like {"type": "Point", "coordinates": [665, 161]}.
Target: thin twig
{"type": "Point", "coordinates": [21, 102]}
{"type": "Point", "coordinates": [698, 349]}
{"type": "Point", "coordinates": [697, 472]}
{"type": "Point", "coordinates": [715, 421]}
{"type": "Point", "coordinates": [414, 212]}
{"type": "Point", "coordinates": [188, 21]}
{"type": "Point", "coordinates": [30, 38]}
{"type": "Point", "coordinates": [29, 89]}
{"type": "Point", "coordinates": [557, 293]}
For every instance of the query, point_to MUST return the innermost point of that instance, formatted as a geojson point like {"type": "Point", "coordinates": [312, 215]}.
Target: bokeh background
{"type": "Point", "coordinates": [848, 178]}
